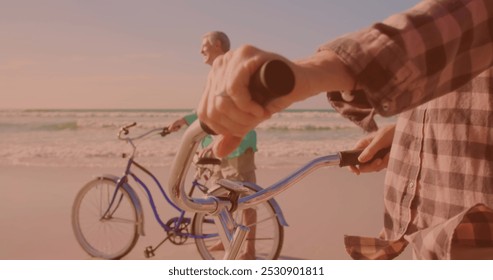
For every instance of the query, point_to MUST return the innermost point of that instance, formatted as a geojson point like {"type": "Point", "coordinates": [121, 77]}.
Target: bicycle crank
{"type": "Point", "coordinates": [178, 233]}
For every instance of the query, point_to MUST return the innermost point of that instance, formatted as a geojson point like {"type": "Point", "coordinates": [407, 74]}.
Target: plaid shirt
{"type": "Point", "coordinates": [439, 182]}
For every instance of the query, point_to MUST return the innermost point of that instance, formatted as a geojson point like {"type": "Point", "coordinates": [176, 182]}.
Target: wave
{"type": "Point", "coordinates": [92, 150]}
{"type": "Point", "coordinates": [284, 127]}
{"type": "Point", "coordinates": [59, 120]}
{"type": "Point", "coordinates": [116, 113]}
{"type": "Point", "coordinates": [88, 137]}
{"type": "Point", "coordinates": [96, 113]}
{"type": "Point", "coordinates": [38, 126]}
{"type": "Point", "coordinates": [83, 124]}
{"type": "Point", "coordinates": [60, 126]}
{"type": "Point", "coordinates": [268, 126]}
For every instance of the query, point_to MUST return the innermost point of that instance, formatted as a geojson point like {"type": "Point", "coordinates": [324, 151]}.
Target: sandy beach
{"type": "Point", "coordinates": [320, 210]}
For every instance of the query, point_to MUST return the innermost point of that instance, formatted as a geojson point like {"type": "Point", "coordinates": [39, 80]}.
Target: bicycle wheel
{"type": "Point", "coordinates": [268, 238]}
{"type": "Point", "coordinates": [101, 233]}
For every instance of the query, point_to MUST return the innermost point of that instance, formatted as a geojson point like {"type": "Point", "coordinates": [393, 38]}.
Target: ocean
{"type": "Point", "coordinates": [87, 138]}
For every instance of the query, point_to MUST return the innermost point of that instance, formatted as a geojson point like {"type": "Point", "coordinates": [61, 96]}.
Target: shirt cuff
{"type": "Point", "coordinates": [379, 66]}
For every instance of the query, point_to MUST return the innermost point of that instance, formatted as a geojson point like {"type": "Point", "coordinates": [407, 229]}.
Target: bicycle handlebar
{"type": "Point", "coordinates": [126, 129]}
{"type": "Point", "coordinates": [182, 161]}
{"type": "Point", "coordinates": [348, 158]}
{"type": "Point", "coordinates": [194, 134]}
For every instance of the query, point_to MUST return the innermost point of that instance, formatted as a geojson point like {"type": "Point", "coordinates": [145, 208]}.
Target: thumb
{"type": "Point", "coordinates": [225, 145]}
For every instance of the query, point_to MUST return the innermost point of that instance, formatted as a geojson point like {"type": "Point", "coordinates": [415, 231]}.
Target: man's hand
{"type": "Point", "coordinates": [372, 144]}
{"type": "Point", "coordinates": [176, 125]}
{"type": "Point", "coordinates": [227, 107]}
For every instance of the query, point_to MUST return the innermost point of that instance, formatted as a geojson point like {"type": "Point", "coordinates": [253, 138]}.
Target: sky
{"type": "Point", "coordinates": [115, 54]}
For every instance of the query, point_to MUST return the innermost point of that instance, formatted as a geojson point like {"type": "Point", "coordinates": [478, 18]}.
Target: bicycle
{"type": "Point", "coordinates": [220, 206]}
{"type": "Point", "coordinates": [216, 211]}
{"type": "Point", "coordinates": [108, 219]}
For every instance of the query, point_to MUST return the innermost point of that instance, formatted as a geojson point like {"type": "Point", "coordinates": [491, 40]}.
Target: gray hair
{"type": "Point", "coordinates": [220, 36]}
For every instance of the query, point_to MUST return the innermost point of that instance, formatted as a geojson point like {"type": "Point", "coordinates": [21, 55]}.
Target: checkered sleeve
{"type": "Point", "coordinates": [421, 54]}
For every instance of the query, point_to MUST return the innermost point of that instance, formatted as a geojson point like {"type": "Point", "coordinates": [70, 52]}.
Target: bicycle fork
{"type": "Point", "coordinates": [232, 234]}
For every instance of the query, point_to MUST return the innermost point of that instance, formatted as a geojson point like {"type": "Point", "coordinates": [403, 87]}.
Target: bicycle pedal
{"type": "Point", "coordinates": [149, 252]}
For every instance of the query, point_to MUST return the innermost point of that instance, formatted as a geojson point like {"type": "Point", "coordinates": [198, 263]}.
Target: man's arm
{"type": "Point", "coordinates": [398, 64]}
{"type": "Point", "coordinates": [418, 55]}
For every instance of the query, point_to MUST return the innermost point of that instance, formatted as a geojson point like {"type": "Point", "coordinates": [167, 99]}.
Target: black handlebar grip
{"type": "Point", "coordinates": [206, 129]}
{"type": "Point", "coordinates": [273, 79]}
{"type": "Point", "coordinates": [211, 161]}
{"type": "Point", "coordinates": [351, 157]}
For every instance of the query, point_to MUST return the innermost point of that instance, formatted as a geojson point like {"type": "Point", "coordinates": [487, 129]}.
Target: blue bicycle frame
{"type": "Point", "coordinates": [177, 220]}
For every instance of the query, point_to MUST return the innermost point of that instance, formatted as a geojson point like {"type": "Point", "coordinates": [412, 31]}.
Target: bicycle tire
{"type": "Point", "coordinates": [107, 238]}
{"type": "Point", "coordinates": [269, 235]}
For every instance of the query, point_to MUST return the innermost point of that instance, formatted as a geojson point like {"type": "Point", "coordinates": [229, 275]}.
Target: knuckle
{"type": "Point", "coordinates": [222, 104]}
{"type": "Point", "coordinates": [232, 89]}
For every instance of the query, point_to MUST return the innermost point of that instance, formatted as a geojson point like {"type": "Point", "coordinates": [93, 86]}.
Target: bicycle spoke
{"type": "Point", "coordinates": [122, 220]}
{"type": "Point", "coordinates": [262, 221]}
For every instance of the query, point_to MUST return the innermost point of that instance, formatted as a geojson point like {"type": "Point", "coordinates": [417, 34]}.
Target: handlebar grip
{"type": "Point", "coordinates": [206, 161]}
{"type": "Point", "coordinates": [273, 79]}
{"type": "Point", "coordinates": [125, 128]}
{"type": "Point", "coordinates": [351, 157]}
{"type": "Point", "coordinates": [165, 132]}
{"type": "Point", "coordinates": [206, 129]}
